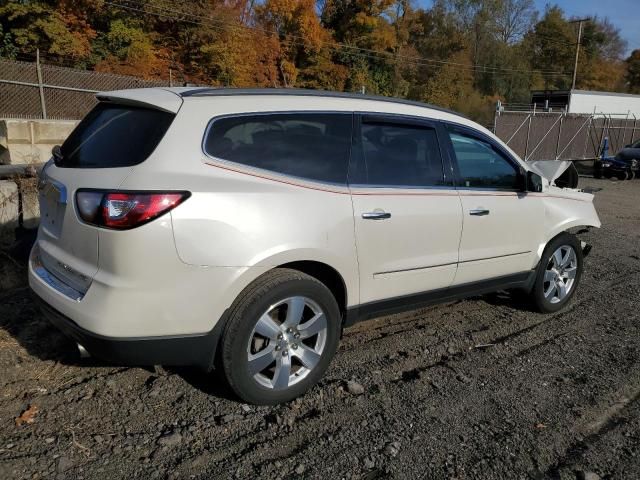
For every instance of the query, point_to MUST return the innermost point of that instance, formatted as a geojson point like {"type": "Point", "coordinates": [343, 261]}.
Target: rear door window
{"type": "Point", "coordinates": [313, 146]}
{"type": "Point", "coordinates": [399, 155]}
{"type": "Point", "coordinates": [113, 135]}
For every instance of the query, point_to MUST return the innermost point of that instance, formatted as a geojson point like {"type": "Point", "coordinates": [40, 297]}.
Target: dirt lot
{"type": "Point", "coordinates": [481, 388]}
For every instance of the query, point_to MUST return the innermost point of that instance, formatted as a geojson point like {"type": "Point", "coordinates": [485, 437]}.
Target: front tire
{"type": "Point", "coordinates": [282, 333]}
{"type": "Point", "coordinates": [558, 274]}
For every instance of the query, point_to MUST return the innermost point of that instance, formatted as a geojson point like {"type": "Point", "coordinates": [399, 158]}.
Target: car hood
{"type": "Point", "coordinates": [549, 169]}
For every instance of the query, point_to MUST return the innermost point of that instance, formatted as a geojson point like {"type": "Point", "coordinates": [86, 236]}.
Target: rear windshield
{"type": "Point", "coordinates": [114, 135]}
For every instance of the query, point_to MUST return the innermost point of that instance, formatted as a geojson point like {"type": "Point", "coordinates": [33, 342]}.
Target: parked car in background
{"type": "Point", "coordinates": [244, 229]}
{"type": "Point", "coordinates": [615, 167]}
{"type": "Point", "coordinates": [631, 154]}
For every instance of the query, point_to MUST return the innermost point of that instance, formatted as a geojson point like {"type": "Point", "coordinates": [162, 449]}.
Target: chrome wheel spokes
{"type": "Point", "coordinates": [560, 274]}
{"type": "Point", "coordinates": [287, 342]}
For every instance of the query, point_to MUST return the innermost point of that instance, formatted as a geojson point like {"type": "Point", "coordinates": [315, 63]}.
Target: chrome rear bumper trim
{"type": "Point", "coordinates": [50, 279]}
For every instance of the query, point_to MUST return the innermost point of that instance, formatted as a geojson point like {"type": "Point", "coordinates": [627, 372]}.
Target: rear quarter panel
{"type": "Point", "coordinates": [243, 218]}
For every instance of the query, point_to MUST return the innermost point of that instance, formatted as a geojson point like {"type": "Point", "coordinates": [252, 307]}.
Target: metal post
{"type": "Point", "coordinates": [43, 104]}
{"type": "Point", "coordinates": [633, 132]}
{"type": "Point", "coordinates": [587, 137]}
{"type": "Point", "coordinates": [170, 78]}
{"type": "Point", "coordinates": [526, 147]}
{"type": "Point", "coordinates": [559, 135]}
{"type": "Point", "coordinates": [626, 125]}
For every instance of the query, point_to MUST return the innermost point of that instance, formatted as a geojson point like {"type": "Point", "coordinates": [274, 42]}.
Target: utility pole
{"type": "Point", "coordinates": [575, 66]}
{"type": "Point", "coordinates": [43, 103]}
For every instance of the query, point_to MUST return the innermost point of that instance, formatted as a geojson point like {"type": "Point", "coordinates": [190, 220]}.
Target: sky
{"type": "Point", "coordinates": [622, 13]}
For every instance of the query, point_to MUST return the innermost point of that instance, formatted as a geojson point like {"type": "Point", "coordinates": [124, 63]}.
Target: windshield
{"type": "Point", "coordinates": [113, 136]}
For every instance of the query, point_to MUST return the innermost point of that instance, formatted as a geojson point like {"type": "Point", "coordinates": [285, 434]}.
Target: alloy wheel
{"type": "Point", "coordinates": [559, 277]}
{"type": "Point", "coordinates": [287, 342]}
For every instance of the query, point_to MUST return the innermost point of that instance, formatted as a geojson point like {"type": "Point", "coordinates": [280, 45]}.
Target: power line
{"type": "Point", "coordinates": [360, 51]}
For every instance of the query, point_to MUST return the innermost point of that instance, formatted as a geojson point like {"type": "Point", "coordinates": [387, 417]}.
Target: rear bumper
{"type": "Point", "coordinates": [187, 350]}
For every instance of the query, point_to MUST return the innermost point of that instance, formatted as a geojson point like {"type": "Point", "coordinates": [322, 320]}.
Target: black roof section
{"type": "Point", "coordinates": [297, 92]}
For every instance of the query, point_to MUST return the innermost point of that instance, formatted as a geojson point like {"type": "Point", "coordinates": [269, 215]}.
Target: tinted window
{"type": "Point", "coordinates": [399, 155]}
{"type": "Point", "coordinates": [311, 145]}
{"type": "Point", "coordinates": [115, 136]}
{"type": "Point", "coordinates": [481, 166]}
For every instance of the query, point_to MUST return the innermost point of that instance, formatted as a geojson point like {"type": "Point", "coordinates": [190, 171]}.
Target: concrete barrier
{"type": "Point", "coordinates": [25, 142]}
{"type": "Point", "coordinates": [30, 141]}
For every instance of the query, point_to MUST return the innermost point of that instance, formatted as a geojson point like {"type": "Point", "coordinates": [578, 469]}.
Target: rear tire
{"type": "Point", "coordinates": [558, 274]}
{"type": "Point", "coordinates": [282, 333]}
{"type": "Point", "coordinates": [622, 176]}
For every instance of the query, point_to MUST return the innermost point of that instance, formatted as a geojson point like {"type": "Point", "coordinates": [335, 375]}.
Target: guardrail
{"type": "Point", "coordinates": [20, 170]}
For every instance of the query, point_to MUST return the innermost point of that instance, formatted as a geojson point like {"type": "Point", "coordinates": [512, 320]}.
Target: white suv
{"type": "Point", "coordinates": [246, 228]}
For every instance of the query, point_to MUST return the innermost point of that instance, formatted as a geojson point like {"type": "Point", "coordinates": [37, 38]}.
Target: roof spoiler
{"type": "Point", "coordinates": [157, 98]}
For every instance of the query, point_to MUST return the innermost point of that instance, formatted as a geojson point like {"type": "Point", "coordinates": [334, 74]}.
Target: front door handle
{"type": "Point", "coordinates": [376, 215]}
{"type": "Point", "coordinates": [479, 212]}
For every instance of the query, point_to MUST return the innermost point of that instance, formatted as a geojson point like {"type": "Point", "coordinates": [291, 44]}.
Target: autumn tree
{"type": "Point", "coordinates": [633, 72]}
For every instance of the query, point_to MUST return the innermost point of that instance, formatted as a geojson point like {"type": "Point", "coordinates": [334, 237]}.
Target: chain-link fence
{"type": "Point", "coordinates": [36, 90]}
{"type": "Point", "coordinates": [564, 136]}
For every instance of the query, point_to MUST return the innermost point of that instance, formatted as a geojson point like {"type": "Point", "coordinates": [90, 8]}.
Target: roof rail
{"type": "Point", "coordinates": [223, 92]}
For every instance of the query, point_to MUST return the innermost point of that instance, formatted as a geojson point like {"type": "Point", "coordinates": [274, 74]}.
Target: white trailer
{"type": "Point", "coordinates": [604, 103]}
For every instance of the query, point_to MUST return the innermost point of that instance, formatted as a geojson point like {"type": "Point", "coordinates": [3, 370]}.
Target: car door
{"type": "Point", "coordinates": [503, 225]}
{"type": "Point", "coordinates": [408, 217]}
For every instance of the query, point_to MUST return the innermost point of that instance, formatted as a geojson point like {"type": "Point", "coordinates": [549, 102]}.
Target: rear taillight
{"type": "Point", "coordinates": [125, 210]}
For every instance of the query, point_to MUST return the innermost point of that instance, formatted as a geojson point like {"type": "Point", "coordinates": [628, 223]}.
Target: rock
{"type": "Point", "coordinates": [49, 440]}
{"type": "Point", "coordinates": [463, 378]}
{"type": "Point", "coordinates": [368, 463]}
{"type": "Point", "coordinates": [354, 388]}
{"type": "Point", "coordinates": [300, 469]}
{"type": "Point", "coordinates": [64, 464]}
{"type": "Point", "coordinates": [170, 440]}
{"type": "Point", "coordinates": [392, 449]}
{"type": "Point", "coordinates": [227, 418]}
{"type": "Point", "coordinates": [582, 475]}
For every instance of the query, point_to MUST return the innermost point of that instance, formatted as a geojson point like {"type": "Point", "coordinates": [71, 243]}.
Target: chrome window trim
{"type": "Point", "coordinates": [402, 187]}
{"type": "Point", "coordinates": [51, 280]}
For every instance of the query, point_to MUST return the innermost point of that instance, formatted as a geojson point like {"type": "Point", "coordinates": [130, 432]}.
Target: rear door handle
{"type": "Point", "coordinates": [376, 215]}
{"type": "Point", "coordinates": [479, 212]}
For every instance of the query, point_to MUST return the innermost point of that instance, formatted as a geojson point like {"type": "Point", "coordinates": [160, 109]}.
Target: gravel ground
{"type": "Point", "coordinates": [480, 388]}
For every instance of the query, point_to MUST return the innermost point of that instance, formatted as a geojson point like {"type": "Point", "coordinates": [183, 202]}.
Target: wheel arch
{"type": "Point", "coordinates": [325, 274]}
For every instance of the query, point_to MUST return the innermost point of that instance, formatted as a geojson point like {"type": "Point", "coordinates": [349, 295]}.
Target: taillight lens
{"type": "Point", "coordinates": [125, 210]}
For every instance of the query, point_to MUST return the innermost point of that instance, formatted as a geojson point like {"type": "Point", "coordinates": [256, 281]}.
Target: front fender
{"type": "Point", "coordinates": [566, 210]}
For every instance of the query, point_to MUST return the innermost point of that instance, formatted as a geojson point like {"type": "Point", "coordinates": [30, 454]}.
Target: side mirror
{"type": "Point", "coordinates": [534, 182]}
